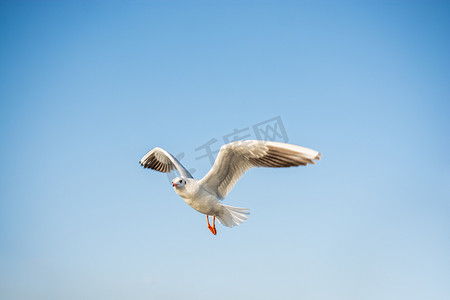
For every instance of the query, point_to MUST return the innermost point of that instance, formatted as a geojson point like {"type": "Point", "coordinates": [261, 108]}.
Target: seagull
{"type": "Point", "coordinates": [233, 160]}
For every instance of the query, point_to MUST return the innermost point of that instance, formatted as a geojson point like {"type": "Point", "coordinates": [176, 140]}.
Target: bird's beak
{"type": "Point", "coordinates": [174, 184]}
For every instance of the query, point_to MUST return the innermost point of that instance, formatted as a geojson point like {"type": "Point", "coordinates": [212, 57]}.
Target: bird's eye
{"type": "Point", "coordinates": [181, 181]}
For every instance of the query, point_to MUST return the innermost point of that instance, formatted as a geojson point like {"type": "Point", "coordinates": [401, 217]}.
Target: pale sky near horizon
{"type": "Point", "coordinates": [88, 87]}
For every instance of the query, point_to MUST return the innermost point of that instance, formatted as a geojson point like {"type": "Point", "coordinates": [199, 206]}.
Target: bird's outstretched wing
{"type": "Point", "coordinates": [160, 160]}
{"type": "Point", "coordinates": [236, 158]}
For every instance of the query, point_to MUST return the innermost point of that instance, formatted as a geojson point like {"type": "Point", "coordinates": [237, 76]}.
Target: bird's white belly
{"type": "Point", "coordinates": [206, 204]}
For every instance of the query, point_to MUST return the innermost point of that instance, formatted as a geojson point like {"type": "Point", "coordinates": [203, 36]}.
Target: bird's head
{"type": "Point", "coordinates": [178, 182]}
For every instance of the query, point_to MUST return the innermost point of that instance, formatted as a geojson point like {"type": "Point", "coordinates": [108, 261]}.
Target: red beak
{"type": "Point", "coordinates": [174, 184]}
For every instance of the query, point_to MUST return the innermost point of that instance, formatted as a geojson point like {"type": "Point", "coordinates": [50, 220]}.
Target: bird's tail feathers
{"type": "Point", "coordinates": [232, 216]}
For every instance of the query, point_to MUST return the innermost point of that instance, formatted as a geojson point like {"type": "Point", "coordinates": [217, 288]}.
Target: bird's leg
{"type": "Point", "coordinates": [214, 225]}
{"type": "Point", "coordinates": [213, 228]}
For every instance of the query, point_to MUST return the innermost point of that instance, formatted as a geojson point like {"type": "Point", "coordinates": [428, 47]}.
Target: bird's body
{"type": "Point", "coordinates": [232, 162]}
{"type": "Point", "coordinates": [198, 198]}
{"type": "Point", "coordinates": [194, 194]}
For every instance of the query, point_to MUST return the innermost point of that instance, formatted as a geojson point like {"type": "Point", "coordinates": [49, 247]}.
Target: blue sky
{"type": "Point", "coordinates": [88, 87]}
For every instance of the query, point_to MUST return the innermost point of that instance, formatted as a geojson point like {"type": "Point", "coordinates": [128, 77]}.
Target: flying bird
{"type": "Point", "coordinates": [233, 160]}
